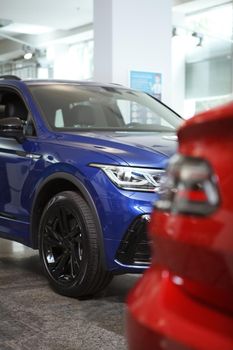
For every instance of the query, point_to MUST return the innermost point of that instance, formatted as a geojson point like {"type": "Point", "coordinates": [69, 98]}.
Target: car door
{"type": "Point", "coordinates": [17, 161]}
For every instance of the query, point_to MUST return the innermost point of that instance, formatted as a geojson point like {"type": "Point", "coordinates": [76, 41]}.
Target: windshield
{"type": "Point", "coordinates": [87, 107]}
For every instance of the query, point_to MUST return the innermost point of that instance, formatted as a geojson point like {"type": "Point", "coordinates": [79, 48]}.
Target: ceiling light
{"type": "Point", "coordinates": [28, 53]}
{"type": "Point", "coordinates": [200, 41]}
{"type": "Point", "coordinates": [174, 31]}
{"type": "Point", "coordinates": [25, 28]}
{"type": "Point", "coordinates": [197, 39]}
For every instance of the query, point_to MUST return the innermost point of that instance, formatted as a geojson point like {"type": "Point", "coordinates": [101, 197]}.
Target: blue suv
{"type": "Point", "coordinates": [80, 165]}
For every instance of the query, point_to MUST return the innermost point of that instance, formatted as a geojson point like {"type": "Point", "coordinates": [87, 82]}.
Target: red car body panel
{"type": "Point", "coordinates": [185, 300]}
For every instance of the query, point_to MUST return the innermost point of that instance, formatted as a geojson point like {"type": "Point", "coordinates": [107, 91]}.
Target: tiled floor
{"type": "Point", "coordinates": [32, 316]}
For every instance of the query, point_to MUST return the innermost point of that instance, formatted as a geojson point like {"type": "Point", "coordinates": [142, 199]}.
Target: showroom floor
{"type": "Point", "coordinates": [32, 316]}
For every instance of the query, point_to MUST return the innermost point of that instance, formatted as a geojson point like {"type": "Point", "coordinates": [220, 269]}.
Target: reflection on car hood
{"type": "Point", "coordinates": [135, 148]}
{"type": "Point", "coordinates": [159, 142]}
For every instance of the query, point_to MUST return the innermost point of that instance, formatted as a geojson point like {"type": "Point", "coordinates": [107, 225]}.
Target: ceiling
{"type": "Point", "coordinates": [191, 6]}
{"type": "Point", "coordinates": [38, 24]}
{"type": "Point", "coordinates": [41, 23]}
{"type": "Point", "coordinates": [53, 14]}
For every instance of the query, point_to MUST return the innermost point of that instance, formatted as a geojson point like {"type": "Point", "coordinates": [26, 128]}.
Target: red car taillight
{"type": "Point", "coordinates": [189, 187]}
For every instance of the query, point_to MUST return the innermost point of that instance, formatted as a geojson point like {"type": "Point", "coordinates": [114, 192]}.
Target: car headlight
{"type": "Point", "coordinates": [132, 179]}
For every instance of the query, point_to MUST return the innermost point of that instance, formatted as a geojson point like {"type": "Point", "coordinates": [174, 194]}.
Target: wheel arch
{"type": "Point", "coordinates": [52, 185]}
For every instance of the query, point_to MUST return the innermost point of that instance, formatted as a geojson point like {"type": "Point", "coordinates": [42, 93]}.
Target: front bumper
{"type": "Point", "coordinates": [123, 217]}
{"type": "Point", "coordinates": [134, 249]}
{"type": "Point", "coordinates": [161, 315]}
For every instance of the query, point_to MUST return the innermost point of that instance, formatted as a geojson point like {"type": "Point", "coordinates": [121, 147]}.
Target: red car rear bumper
{"type": "Point", "coordinates": [163, 316]}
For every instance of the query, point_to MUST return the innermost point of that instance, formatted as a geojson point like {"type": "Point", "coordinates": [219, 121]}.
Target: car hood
{"type": "Point", "coordinates": [134, 148]}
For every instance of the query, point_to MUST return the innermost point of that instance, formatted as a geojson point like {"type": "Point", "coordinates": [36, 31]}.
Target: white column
{"type": "Point", "coordinates": [133, 35]}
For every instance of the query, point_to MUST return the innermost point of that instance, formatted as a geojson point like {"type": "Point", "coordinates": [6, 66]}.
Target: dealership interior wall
{"type": "Point", "coordinates": [188, 42]}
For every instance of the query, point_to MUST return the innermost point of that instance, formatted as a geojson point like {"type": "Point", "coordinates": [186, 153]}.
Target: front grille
{"type": "Point", "coordinates": [135, 248]}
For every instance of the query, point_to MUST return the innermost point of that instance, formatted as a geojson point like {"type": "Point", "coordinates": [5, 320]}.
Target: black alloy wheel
{"type": "Point", "coordinates": [63, 245]}
{"type": "Point", "coordinates": [69, 247]}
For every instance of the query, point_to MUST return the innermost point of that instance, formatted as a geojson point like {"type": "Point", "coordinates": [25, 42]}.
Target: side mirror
{"type": "Point", "coordinates": [12, 127]}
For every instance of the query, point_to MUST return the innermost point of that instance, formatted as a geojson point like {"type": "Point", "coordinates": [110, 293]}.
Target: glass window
{"type": "Point", "coordinates": [59, 121]}
{"type": "Point", "coordinates": [205, 39]}
{"type": "Point", "coordinates": [91, 107]}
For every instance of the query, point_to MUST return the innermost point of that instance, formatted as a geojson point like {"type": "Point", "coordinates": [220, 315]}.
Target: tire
{"type": "Point", "coordinates": [69, 247]}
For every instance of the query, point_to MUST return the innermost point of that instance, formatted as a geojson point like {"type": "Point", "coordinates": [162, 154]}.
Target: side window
{"type": "Point", "coordinates": [30, 127]}
{"type": "Point", "coordinates": [12, 105]}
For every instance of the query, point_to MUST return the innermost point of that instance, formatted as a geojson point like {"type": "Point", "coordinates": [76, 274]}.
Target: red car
{"type": "Point", "coordinates": [185, 299]}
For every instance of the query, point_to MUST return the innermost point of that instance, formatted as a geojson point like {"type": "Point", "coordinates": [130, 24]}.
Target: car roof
{"type": "Point", "coordinates": [75, 82]}
{"type": "Point", "coordinates": [14, 79]}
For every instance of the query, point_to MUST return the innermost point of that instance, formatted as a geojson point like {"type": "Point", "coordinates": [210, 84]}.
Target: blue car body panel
{"type": "Point", "coordinates": [25, 167]}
